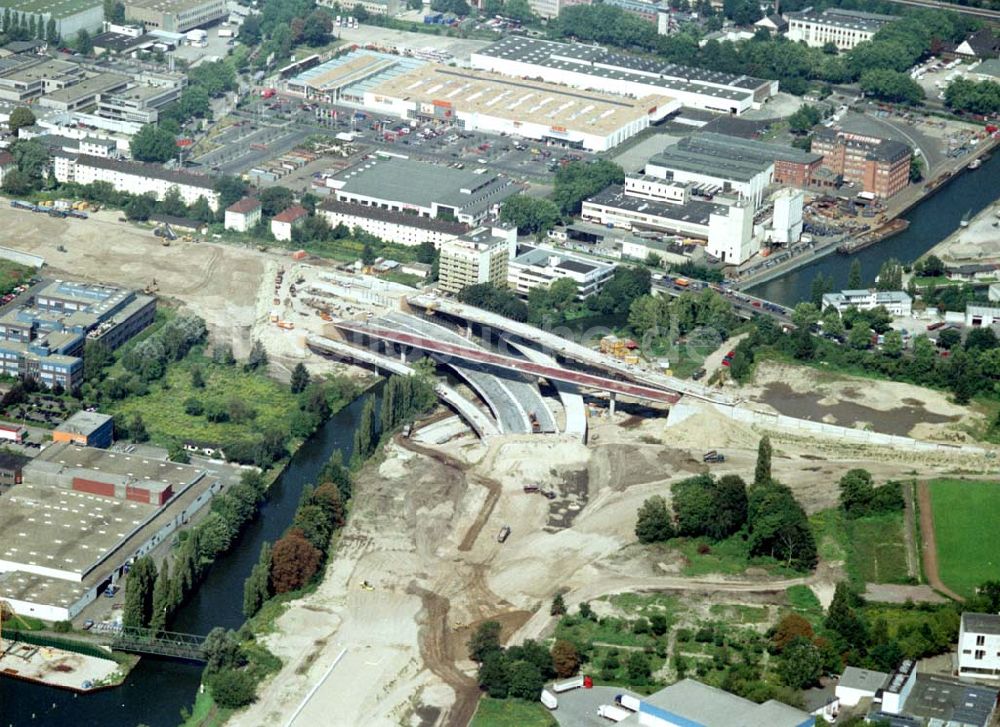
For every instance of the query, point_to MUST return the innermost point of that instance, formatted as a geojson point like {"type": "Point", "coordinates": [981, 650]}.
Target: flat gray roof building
{"type": "Point", "coordinates": [726, 156]}
{"type": "Point", "coordinates": [867, 680]}
{"type": "Point", "coordinates": [690, 703]}
{"type": "Point", "coordinates": [423, 188]}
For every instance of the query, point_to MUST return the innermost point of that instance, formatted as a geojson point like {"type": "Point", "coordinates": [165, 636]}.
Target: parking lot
{"type": "Point", "coordinates": [267, 127]}
{"type": "Point", "coordinates": [578, 707]}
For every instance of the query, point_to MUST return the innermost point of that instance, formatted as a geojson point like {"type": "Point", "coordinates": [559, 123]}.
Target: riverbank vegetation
{"type": "Point", "coordinates": [294, 565]}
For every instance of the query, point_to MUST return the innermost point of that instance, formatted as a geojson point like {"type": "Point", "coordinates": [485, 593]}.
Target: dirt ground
{"type": "Point", "coordinates": [217, 282]}
{"type": "Point", "coordinates": [882, 406]}
{"type": "Point", "coordinates": [423, 534]}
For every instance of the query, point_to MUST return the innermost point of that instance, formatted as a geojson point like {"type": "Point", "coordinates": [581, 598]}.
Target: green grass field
{"type": "Point", "coordinates": [511, 713]}
{"type": "Point", "coordinates": [163, 410]}
{"type": "Point", "coordinates": [877, 551]}
{"type": "Point", "coordinates": [968, 540]}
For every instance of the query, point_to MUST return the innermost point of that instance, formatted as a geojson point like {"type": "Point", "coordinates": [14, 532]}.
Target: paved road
{"type": "Point", "coordinates": [506, 362]}
{"type": "Point", "coordinates": [578, 707]}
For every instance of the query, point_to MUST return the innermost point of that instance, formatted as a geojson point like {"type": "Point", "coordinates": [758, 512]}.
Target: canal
{"type": "Point", "coordinates": [157, 690]}
{"type": "Point", "coordinates": [930, 222]}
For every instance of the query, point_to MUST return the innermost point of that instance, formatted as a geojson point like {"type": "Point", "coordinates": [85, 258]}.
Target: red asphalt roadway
{"type": "Point", "coordinates": [553, 373]}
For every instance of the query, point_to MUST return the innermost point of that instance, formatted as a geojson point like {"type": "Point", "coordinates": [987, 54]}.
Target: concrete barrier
{"type": "Point", "coordinates": [780, 422]}
{"type": "Point", "coordinates": [22, 258]}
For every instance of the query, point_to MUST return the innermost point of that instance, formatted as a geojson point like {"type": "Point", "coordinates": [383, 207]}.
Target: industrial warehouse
{"type": "Point", "coordinates": [81, 514]}
{"type": "Point", "coordinates": [482, 101]}
{"type": "Point", "coordinates": [594, 68]}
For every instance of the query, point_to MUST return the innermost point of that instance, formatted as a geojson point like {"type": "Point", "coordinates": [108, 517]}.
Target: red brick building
{"type": "Point", "coordinates": [880, 166]}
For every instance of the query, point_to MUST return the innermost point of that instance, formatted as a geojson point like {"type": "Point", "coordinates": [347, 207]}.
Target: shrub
{"type": "Point", "coordinates": [232, 688]}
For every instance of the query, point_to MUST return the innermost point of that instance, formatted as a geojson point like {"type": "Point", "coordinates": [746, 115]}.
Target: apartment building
{"type": "Point", "coordinates": [134, 177]}
{"type": "Point", "coordinates": [880, 166]}
{"type": "Point", "coordinates": [243, 215]}
{"type": "Point", "coordinates": [403, 228]}
{"type": "Point", "coordinates": [844, 28]}
{"type": "Point", "coordinates": [480, 256]}
{"type": "Point", "coordinates": [287, 220]}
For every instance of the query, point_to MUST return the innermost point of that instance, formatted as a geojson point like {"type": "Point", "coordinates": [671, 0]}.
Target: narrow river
{"type": "Point", "coordinates": [157, 689]}
{"type": "Point", "coordinates": [930, 222]}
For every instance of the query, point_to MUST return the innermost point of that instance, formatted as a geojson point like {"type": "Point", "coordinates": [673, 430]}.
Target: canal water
{"type": "Point", "coordinates": [157, 689]}
{"type": "Point", "coordinates": [930, 222]}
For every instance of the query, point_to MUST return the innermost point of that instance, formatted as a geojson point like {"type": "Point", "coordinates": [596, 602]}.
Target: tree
{"type": "Point", "coordinates": [250, 31]}
{"type": "Point", "coordinates": [257, 587]}
{"type": "Point", "coordinates": [294, 561]}
{"type": "Point", "coordinates": [844, 621]}
{"type": "Point", "coordinates": [804, 119]}
{"type": "Point", "coordinates": [51, 31]}
{"type": "Point", "coordinates": [579, 180]}
{"type": "Point", "coordinates": [892, 345]}
{"type": "Point", "coordinates": [790, 627]}
{"type": "Point", "coordinates": [778, 526]}
{"type": "Point", "coordinates": [257, 358]}
{"type": "Point", "coordinates": [531, 215]}
{"type": "Point", "coordinates": [139, 592]}
{"type": "Point", "coordinates": [800, 664]}
{"type": "Point", "coordinates": [19, 118]}
{"type": "Point", "coordinates": [221, 650]}
{"type": "Point", "coordinates": [84, 43]}
{"type": "Point", "coordinates": [173, 204]}
{"type": "Point", "coordinates": [365, 433]}
{"type": "Point", "coordinates": [232, 688]}
{"type": "Point", "coordinates": [653, 524]}
{"type": "Point", "coordinates": [916, 169]}
{"type": "Point", "coordinates": [140, 208]}
{"type": "Point", "coordinates": [889, 85]}
{"type": "Point", "coordinates": [637, 668]}
{"type": "Point", "coordinates": [762, 470]}
{"type": "Point", "coordinates": [137, 429]}
{"type": "Point", "coordinates": [949, 338]}
{"type": "Point", "coordinates": [493, 675]}
{"type": "Point", "coordinates": [153, 144]}
{"type": "Point", "coordinates": [230, 189]}
{"type": "Point", "coordinates": [275, 199]}
{"type": "Point", "coordinates": [300, 378]}
{"type": "Point", "coordinates": [565, 658]}
{"type": "Point", "coordinates": [485, 641]}
{"type": "Point", "coordinates": [972, 97]}
{"type": "Point", "coordinates": [161, 601]}
{"type": "Point", "coordinates": [890, 275]}
{"type": "Point", "coordinates": [854, 276]}
{"type": "Point", "coordinates": [558, 607]}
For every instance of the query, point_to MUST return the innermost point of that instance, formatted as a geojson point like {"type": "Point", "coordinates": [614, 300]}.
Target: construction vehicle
{"type": "Point", "coordinates": [503, 534]}
{"type": "Point", "coordinates": [713, 456]}
{"type": "Point", "coordinates": [535, 426]}
{"type": "Point", "coordinates": [530, 489]}
{"type": "Point", "coordinates": [365, 585]}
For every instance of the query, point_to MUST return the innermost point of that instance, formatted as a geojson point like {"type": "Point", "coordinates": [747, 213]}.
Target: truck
{"type": "Point", "coordinates": [682, 282]}
{"type": "Point", "coordinates": [530, 489]}
{"type": "Point", "coordinates": [713, 456]}
{"type": "Point", "coordinates": [612, 713]}
{"type": "Point", "coordinates": [503, 534]}
{"type": "Point", "coordinates": [227, 33]}
{"type": "Point", "coordinates": [344, 136]}
{"type": "Point", "coordinates": [407, 430]}
{"type": "Point", "coordinates": [627, 701]}
{"type": "Point", "coordinates": [268, 93]}
{"type": "Point", "coordinates": [567, 684]}
{"type": "Point", "coordinates": [549, 699]}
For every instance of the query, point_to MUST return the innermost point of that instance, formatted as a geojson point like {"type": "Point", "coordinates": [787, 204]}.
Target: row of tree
{"type": "Point", "coordinates": [518, 671]}
{"type": "Point", "coordinates": [975, 98]}
{"type": "Point", "coordinates": [766, 515]}
{"type": "Point", "coordinates": [28, 26]}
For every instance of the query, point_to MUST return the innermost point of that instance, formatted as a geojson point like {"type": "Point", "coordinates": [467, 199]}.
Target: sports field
{"type": "Point", "coordinates": [965, 528]}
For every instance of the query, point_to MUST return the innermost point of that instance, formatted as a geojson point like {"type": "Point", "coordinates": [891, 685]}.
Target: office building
{"type": "Point", "coordinates": [44, 338]}
{"type": "Point", "coordinates": [389, 8]}
{"type": "Point", "coordinates": [84, 93]}
{"type": "Point", "coordinates": [730, 165]}
{"type": "Point", "coordinates": [916, 699]}
{"type": "Point", "coordinates": [880, 166]}
{"type": "Point", "coordinates": [175, 16]}
{"type": "Point", "coordinates": [844, 28]}
{"type": "Point", "coordinates": [243, 215]}
{"type": "Point", "coordinates": [896, 302]}
{"type": "Point", "coordinates": [135, 177]}
{"type": "Point", "coordinates": [141, 103]}
{"type": "Point", "coordinates": [86, 429]}
{"type": "Point", "coordinates": [480, 256]}
{"type": "Point", "coordinates": [420, 188]}
{"type": "Point", "coordinates": [71, 16]}
{"type": "Point", "coordinates": [400, 227]}
{"type": "Point", "coordinates": [597, 69]}
{"type": "Point", "coordinates": [652, 204]}
{"type": "Point", "coordinates": [539, 267]}
{"type": "Point", "coordinates": [23, 79]}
